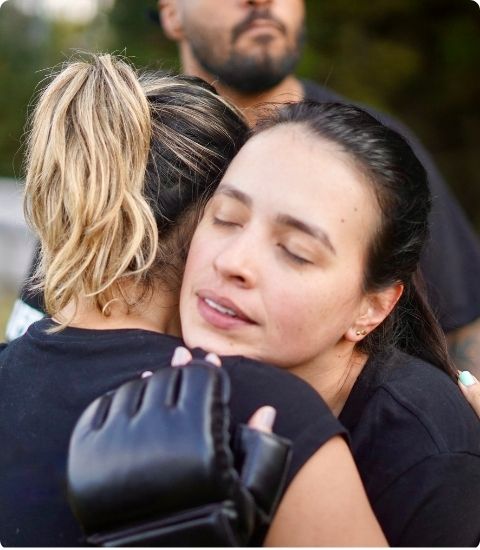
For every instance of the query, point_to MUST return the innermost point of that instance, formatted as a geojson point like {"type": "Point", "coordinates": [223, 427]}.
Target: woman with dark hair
{"type": "Point", "coordinates": [307, 258]}
{"type": "Point", "coordinates": [117, 170]}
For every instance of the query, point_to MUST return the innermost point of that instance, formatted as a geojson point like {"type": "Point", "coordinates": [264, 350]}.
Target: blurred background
{"type": "Point", "coordinates": [416, 59]}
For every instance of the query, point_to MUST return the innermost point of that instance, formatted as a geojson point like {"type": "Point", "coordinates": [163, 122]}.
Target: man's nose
{"type": "Point", "coordinates": [256, 3]}
{"type": "Point", "coordinates": [237, 262]}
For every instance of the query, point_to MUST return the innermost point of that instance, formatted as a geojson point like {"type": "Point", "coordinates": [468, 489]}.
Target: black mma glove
{"type": "Point", "coordinates": [150, 464]}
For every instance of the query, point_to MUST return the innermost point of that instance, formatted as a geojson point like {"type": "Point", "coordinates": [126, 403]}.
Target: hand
{"type": "Point", "coordinates": [262, 419]}
{"type": "Point", "coordinates": [151, 464]}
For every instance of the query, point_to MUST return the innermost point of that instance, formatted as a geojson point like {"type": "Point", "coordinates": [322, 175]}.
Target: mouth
{"type": "Point", "coordinates": [258, 24]}
{"type": "Point", "coordinates": [262, 25]}
{"type": "Point", "coordinates": [221, 312]}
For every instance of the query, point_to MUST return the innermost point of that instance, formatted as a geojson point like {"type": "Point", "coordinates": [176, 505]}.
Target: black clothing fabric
{"type": "Point", "coordinates": [47, 380]}
{"type": "Point", "coordinates": [451, 261]}
{"type": "Point", "coordinates": [416, 443]}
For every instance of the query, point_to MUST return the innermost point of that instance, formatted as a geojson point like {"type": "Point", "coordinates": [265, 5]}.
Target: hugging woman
{"type": "Point", "coordinates": [117, 169]}
{"type": "Point", "coordinates": [308, 259]}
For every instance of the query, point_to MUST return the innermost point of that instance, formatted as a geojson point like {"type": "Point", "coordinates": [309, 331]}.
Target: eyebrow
{"type": "Point", "coordinates": [312, 230]}
{"type": "Point", "coordinates": [282, 219]}
{"type": "Point", "coordinates": [234, 193]}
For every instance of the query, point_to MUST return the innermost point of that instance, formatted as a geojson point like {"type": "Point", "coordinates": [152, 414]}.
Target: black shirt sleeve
{"type": "Point", "coordinates": [302, 415]}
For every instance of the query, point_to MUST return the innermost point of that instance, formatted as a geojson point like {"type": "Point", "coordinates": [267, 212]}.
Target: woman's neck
{"type": "Point", "coordinates": [335, 377]}
{"type": "Point", "coordinates": [157, 313]}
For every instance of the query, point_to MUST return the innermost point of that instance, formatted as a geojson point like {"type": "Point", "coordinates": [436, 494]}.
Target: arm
{"type": "Point", "coordinates": [326, 504]}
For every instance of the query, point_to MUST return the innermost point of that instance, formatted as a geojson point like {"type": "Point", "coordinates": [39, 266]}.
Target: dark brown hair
{"type": "Point", "coordinates": [400, 184]}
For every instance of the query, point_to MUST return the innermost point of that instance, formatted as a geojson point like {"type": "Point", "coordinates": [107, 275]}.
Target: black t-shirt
{"type": "Point", "coordinates": [46, 381]}
{"type": "Point", "coordinates": [416, 443]}
{"type": "Point", "coordinates": [451, 260]}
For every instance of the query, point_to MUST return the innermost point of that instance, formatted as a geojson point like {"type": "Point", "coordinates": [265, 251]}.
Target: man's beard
{"type": "Point", "coordinates": [244, 72]}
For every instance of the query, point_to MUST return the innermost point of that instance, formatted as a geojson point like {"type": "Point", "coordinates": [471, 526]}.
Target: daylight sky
{"type": "Point", "coordinates": [78, 10]}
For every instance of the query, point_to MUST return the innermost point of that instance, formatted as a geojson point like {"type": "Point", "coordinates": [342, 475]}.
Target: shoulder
{"type": "Point", "coordinates": [408, 411]}
{"type": "Point", "coordinates": [422, 398]}
{"type": "Point", "coordinates": [78, 364]}
{"type": "Point", "coordinates": [427, 445]}
{"type": "Point", "coordinates": [302, 415]}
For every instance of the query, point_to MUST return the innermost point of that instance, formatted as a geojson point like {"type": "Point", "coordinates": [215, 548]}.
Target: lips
{"type": "Point", "coordinates": [256, 22]}
{"type": "Point", "coordinates": [262, 25]}
{"type": "Point", "coordinates": [220, 311]}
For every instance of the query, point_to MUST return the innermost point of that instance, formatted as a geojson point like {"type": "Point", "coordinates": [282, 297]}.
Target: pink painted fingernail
{"type": "Point", "coordinates": [214, 359]}
{"type": "Point", "coordinates": [181, 356]}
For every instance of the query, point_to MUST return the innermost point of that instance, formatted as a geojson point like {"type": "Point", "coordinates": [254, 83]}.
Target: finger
{"type": "Point", "coordinates": [124, 400]}
{"type": "Point", "coordinates": [161, 390]}
{"type": "Point", "coordinates": [263, 419]}
{"type": "Point", "coordinates": [214, 359]}
{"type": "Point", "coordinates": [466, 378]}
{"type": "Point", "coordinates": [204, 387]}
{"type": "Point", "coordinates": [181, 356]}
{"type": "Point", "coordinates": [94, 415]}
{"type": "Point", "coordinates": [470, 388]}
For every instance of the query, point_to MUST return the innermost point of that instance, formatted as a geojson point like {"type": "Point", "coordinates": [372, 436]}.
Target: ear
{"type": "Point", "coordinates": [168, 12]}
{"type": "Point", "coordinates": [375, 309]}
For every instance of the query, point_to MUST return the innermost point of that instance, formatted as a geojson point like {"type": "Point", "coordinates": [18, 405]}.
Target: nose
{"type": "Point", "coordinates": [236, 262]}
{"type": "Point", "coordinates": [258, 3]}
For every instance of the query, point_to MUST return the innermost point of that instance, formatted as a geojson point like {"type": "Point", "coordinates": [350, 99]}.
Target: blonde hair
{"type": "Point", "coordinates": [87, 153]}
{"type": "Point", "coordinates": [114, 158]}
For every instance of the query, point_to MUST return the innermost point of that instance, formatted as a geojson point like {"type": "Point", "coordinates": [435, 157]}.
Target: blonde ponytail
{"type": "Point", "coordinates": [87, 154]}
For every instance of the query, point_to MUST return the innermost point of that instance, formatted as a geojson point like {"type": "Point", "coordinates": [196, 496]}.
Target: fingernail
{"type": "Point", "coordinates": [267, 417]}
{"type": "Point", "coordinates": [214, 359]}
{"type": "Point", "coordinates": [181, 356]}
{"type": "Point", "coordinates": [146, 374]}
{"type": "Point", "coordinates": [466, 378]}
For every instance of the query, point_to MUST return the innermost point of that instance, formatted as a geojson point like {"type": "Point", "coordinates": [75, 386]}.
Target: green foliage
{"type": "Point", "coordinates": [416, 60]}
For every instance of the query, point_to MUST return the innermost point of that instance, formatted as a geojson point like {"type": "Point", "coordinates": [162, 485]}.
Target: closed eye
{"type": "Point", "coordinates": [225, 223]}
{"type": "Point", "coordinates": [294, 257]}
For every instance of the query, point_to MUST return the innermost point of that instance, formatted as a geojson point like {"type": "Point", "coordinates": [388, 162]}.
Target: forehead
{"type": "Point", "coordinates": [287, 169]}
{"type": "Point", "coordinates": [289, 162]}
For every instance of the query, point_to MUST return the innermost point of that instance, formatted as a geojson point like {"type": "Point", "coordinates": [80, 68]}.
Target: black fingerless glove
{"type": "Point", "coordinates": [150, 464]}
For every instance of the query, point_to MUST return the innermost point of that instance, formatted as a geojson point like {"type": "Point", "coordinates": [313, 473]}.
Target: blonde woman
{"type": "Point", "coordinates": [116, 169]}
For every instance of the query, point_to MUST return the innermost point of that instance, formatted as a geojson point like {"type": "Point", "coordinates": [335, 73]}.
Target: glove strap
{"type": "Point", "coordinates": [210, 525]}
{"type": "Point", "coordinates": [264, 459]}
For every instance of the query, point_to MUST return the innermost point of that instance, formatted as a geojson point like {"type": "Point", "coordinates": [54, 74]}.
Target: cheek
{"type": "Point", "coordinates": [197, 261]}
{"type": "Point", "coordinates": [312, 315]}
{"type": "Point", "coordinates": [293, 313]}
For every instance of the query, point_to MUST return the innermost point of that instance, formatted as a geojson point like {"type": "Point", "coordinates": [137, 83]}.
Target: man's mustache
{"type": "Point", "coordinates": [253, 16]}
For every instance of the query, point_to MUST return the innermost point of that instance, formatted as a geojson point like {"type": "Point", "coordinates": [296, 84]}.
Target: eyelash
{"type": "Point", "coordinates": [293, 257]}
{"type": "Point", "coordinates": [224, 223]}
{"type": "Point", "coordinates": [290, 255]}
